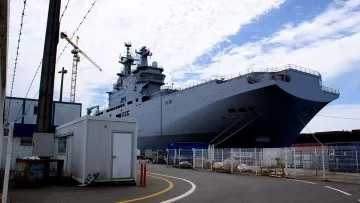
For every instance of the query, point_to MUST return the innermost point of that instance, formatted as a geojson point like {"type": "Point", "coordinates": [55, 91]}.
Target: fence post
{"type": "Point", "coordinates": [286, 164]}
{"type": "Point", "coordinates": [316, 161]}
{"type": "Point", "coordinates": [294, 162]}
{"type": "Point", "coordinates": [202, 159]}
{"type": "Point", "coordinates": [7, 163]}
{"type": "Point", "coordinates": [256, 169]}
{"type": "Point", "coordinates": [231, 158]}
{"type": "Point", "coordinates": [194, 157]}
{"type": "Point", "coordinates": [212, 152]}
{"type": "Point", "coordinates": [262, 157]}
{"type": "Point", "coordinates": [211, 162]}
{"type": "Point", "coordinates": [357, 161]}
{"type": "Point", "coordinates": [157, 156]}
{"type": "Point", "coordinates": [323, 162]}
{"type": "Point", "coordinates": [179, 158]}
{"type": "Point", "coordinates": [240, 158]}
{"type": "Point", "coordinates": [174, 157]}
{"type": "Point", "coordinates": [222, 156]}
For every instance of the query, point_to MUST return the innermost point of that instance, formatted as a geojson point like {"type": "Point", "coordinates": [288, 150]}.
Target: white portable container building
{"type": "Point", "coordinates": [92, 144]}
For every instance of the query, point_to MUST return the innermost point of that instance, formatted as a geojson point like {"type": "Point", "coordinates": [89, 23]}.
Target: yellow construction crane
{"type": "Point", "coordinates": [76, 60]}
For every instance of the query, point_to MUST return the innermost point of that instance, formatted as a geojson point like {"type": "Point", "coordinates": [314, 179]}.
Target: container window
{"type": "Point", "coordinates": [35, 110]}
{"type": "Point", "coordinates": [62, 146]}
{"type": "Point", "coordinates": [26, 141]}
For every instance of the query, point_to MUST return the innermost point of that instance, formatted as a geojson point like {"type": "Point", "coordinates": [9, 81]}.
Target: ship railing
{"type": "Point", "coordinates": [286, 67]}
{"type": "Point", "coordinates": [244, 74]}
{"type": "Point", "coordinates": [330, 90]}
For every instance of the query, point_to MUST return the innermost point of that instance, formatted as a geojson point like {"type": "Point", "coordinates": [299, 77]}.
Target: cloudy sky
{"type": "Point", "coordinates": [196, 39]}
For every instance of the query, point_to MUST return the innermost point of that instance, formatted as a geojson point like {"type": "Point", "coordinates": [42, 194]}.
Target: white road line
{"type": "Point", "coordinates": [189, 192]}
{"type": "Point", "coordinates": [337, 190]}
{"type": "Point", "coordinates": [302, 181]}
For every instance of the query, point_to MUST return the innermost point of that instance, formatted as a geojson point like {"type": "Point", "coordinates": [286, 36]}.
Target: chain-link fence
{"type": "Point", "coordinates": [336, 161]}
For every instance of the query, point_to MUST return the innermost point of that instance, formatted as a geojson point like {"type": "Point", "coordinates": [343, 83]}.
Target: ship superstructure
{"type": "Point", "coordinates": [265, 108]}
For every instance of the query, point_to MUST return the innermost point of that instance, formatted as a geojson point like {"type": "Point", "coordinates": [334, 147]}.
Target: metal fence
{"type": "Point", "coordinates": [337, 163]}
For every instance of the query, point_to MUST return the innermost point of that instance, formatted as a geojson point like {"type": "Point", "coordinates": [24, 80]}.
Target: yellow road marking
{"type": "Point", "coordinates": [171, 185]}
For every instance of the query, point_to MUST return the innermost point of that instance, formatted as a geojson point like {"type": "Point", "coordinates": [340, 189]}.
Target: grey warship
{"type": "Point", "coordinates": [263, 108]}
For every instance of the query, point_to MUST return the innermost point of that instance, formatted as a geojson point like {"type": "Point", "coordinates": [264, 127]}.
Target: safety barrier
{"type": "Point", "coordinates": [143, 175]}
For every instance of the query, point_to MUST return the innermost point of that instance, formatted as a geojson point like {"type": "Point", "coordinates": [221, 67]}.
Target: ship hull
{"type": "Point", "coordinates": [262, 109]}
{"type": "Point", "coordinates": [273, 118]}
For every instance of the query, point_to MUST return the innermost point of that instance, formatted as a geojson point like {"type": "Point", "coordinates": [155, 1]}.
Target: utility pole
{"type": "Point", "coordinates": [4, 43]}
{"type": "Point", "coordinates": [46, 93]}
{"type": "Point", "coordinates": [63, 71]}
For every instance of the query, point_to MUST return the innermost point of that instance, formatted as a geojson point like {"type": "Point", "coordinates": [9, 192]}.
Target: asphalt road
{"type": "Point", "coordinates": [210, 187]}
{"type": "Point", "coordinates": [220, 187]}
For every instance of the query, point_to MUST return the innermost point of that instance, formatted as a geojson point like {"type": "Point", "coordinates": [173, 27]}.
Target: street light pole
{"type": "Point", "coordinates": [63, 71]}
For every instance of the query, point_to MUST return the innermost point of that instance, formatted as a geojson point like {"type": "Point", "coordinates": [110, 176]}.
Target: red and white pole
{"type": "Point", "coordinates": [141, 174]}
{"type": "Point", "coordinates": [144, 175]}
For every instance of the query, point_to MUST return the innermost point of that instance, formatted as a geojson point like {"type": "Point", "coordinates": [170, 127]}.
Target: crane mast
{"type": "Point", "coordinates": [76, 60]}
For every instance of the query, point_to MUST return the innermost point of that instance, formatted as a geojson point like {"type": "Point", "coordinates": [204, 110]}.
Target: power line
{"type": "Point", "coordinates": [38, 68]}
{"type": "Point", "coordinates": [77, 29]}
{"type": "Point", "coordinates": [16, 57]}
{"type": "Point", "coordinates": [66, 6]}
{"type": "Point", "coordinates": [358, 119]}
{"type": "Point", "coordinates": [26, 109]}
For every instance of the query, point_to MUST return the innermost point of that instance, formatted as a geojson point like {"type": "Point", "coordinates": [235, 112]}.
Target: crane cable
{"type": "Point", "coordinates": [77, 29]}
{"type": "Point", "coordinates": [38, 68]}
{"type": "Point", "coordinates": [16, 60]}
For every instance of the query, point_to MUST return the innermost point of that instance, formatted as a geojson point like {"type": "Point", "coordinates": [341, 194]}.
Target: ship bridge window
{"type": "Point", "coordinates": [137, 100]}
{"type": "Point", "coordinates": [232, 110]}
{"type": "Point", "coordinates": [129, 102]}
{"type": "Point", "coordinates": [253, 109]}
{"type": "Point", "coordinates": [145, 98]}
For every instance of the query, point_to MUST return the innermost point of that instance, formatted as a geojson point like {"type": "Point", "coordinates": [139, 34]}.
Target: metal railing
{"type": "Point", "coordinates": [242, 74]}
{"type": "Point", "coordinates": [330, 90]}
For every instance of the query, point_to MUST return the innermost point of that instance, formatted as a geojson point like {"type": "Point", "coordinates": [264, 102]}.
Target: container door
{"type": "Point", "coordinates": [122, 155]}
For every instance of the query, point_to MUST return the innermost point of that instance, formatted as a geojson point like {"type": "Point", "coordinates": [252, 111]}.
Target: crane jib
{"type": "Point", "coordinates": [75, 64]}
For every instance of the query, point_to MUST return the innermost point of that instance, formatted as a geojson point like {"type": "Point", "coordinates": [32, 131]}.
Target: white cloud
{"type": "Point", "coordinates": [329, 123]}
{"type": "Point", "coordinates": [176, 31]}
{"type": "Point", "coordinates": [329, 44]}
